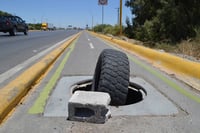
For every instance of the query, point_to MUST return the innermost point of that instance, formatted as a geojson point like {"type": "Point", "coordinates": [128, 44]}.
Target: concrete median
{"type": "Point", "coordinates": [11, 94]}
{"type": "Point", "coordinates": [161, 59]}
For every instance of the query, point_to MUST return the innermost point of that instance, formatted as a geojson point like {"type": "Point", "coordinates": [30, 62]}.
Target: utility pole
{"type": "Point", "coordinates": [120, 23]}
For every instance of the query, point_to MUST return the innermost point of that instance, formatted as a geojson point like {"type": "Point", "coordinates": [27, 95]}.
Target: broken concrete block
{"type": "Point", "coordinates": [88, 106]}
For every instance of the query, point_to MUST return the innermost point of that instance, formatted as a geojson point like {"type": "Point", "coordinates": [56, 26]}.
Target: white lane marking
{"type": "Point", "coordinates": [40, 49]}
{"type": "Point", "coordinates": [8, 74]}
{"type": "Point", "coordinates": [34, 51]}
{"type": "Point", "coordinates": [91, 45]}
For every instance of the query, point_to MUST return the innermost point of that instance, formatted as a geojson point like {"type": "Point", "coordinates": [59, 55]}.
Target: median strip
{"type": "Point", "coordinates": [167, 81]}
{"type": "Point", "coordinates": [181, 67]}
{"type": "Point", "coordinates": [160, 76]}
{"type": "Point", "coordinates": [11, 94]}
{"type": "Point", "coordinates": [38, 106]}
{"type": "Point", "coordinates": [163, 59]}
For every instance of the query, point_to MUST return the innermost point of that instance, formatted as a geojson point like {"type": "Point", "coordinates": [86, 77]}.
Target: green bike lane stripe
{"type": "Point", "coordinates": [167, 81]}
{"type": "Point", "coordinates": [39, 104]}
{"type": "Point", "coordinates": [160, 76]}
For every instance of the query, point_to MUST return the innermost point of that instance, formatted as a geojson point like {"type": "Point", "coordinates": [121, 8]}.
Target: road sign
{"type": "Point", "coordinates": [103, 2]}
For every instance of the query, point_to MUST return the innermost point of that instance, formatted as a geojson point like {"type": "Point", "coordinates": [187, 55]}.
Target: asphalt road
{"type": "Point", "coordinates": [169, 107]}
{"type": "Point", "coordinates": [15, 50]}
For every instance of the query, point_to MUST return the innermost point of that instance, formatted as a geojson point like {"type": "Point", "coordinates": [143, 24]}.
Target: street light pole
{"type": "Point", "coordinates": [120, 23]}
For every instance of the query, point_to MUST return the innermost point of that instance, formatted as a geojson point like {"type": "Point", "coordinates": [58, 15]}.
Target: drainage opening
{"type": "Point", "coordinates": [136, 93]}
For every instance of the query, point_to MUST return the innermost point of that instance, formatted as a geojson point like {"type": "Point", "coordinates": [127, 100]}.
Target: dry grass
{"type": "Point", "coordinates": [166, 47]}
{"type": "Point", "coordinates": [190, 48]}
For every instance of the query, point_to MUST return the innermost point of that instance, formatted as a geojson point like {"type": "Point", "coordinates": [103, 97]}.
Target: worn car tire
{"type": "Point", "coordinates": [112, 75]}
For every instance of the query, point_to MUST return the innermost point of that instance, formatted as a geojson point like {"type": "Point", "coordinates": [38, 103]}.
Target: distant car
{"type": "Point", "coordinates": [13, 24]}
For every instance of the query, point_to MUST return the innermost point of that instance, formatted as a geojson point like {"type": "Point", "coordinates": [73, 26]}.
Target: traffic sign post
{"type": "Point", "coordinates": [102, 14]}
{"type": "Point", "coordinates": [103, 3]}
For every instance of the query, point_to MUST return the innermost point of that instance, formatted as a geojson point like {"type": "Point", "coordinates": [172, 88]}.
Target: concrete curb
{"type": "Point", "coordinates": [11, 94]}
{"type": "Point", "coordinates": [174, 63]}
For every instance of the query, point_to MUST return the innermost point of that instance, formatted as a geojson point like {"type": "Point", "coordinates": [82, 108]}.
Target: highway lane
{"type": "Point", "coordinates": [15, 50]}
{"type": "Point", "coordinates": [81, 60]}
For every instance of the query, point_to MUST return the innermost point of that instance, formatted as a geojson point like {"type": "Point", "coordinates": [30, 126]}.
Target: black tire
{"type": "Point", "coordinates": [112, 75]}
{"type": "Point", "coordinates": [26, 31]}
{"type": "Point", "coordinates": [13, 31]}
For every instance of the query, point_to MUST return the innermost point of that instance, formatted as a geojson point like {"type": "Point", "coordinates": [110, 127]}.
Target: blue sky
{"type": "Point", "coordinates": [65, 12]}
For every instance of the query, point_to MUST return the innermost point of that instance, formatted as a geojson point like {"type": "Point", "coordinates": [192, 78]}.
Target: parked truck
{"type": "Point", "coordinates": [47, 26]}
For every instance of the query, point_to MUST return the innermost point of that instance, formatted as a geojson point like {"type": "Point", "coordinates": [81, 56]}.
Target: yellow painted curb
{"type": "Point", "coordinates": [169, 61]}
{"type": "Point", "coordinates": [11, 94]}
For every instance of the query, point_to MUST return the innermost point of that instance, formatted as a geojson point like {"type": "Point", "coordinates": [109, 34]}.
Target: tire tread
{"type": "Point", "coordinates": [112, 75]}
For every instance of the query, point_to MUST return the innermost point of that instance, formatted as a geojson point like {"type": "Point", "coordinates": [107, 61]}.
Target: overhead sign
{"type": "Point", "coordinates": [103, 2]}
